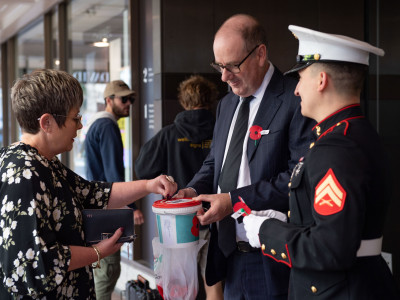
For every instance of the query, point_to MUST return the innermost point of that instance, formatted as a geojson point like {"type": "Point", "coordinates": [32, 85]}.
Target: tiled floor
{"type": "Point", "coordinates": [118, 295]}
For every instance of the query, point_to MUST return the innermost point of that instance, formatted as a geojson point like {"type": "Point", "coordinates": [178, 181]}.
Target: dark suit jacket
{"type": "Point", "coordinates": [271, 160]}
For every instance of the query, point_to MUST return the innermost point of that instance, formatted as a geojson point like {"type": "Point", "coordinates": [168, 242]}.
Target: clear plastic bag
{"type": "Point", "coordinates": [176, 270]}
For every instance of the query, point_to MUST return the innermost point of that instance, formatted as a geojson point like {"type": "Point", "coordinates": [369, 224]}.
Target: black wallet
{"type": "Point", "coordinates": [100, 224]}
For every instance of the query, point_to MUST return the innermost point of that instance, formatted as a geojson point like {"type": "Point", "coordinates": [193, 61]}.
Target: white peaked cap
{"type": "Point", "coordinates": [315, 46]}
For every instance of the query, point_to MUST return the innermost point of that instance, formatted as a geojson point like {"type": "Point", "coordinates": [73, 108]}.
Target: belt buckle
{"type": "Point", "coordinates": [244, 247]}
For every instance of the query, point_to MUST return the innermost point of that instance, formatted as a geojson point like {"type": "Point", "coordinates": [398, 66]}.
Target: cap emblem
{"type": "Point", "coordinates": [308, 57]}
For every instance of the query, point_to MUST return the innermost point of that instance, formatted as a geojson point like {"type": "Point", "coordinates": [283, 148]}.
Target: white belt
{"type": "Point", "coordinates": [370, 247]}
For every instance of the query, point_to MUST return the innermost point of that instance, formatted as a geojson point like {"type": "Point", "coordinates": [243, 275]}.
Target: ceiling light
{"type": "Point", "coordinates": [103, 43]}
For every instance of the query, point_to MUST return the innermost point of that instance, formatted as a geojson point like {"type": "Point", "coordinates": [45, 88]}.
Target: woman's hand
{"type": "Point", "coordinates": [163, 184]}
{"type": "Point", "coordinates": [110, 245]}
{"type": "Point", "coordinates": [83, 256]}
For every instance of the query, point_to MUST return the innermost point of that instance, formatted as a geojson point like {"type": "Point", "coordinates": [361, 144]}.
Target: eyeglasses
{"type": "Point", "coordinates": [77, 118]}
{"type": "Point", "coordinates": [234, 69]}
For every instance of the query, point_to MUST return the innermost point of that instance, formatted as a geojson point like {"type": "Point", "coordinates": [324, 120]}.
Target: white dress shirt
{"type": "Point", "coordinates": [244, 171]}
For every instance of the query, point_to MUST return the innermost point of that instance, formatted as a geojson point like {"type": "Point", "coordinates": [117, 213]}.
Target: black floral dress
{"type": "Point", "coordinates": [41, 203]}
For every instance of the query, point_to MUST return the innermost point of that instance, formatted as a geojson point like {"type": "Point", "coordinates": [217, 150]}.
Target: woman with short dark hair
{"type": "Point", "coordinates": [42, 249]}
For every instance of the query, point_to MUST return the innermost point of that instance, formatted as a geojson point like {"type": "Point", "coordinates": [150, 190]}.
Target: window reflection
{"type": "Point", "coordinates": [55, 43]}
{"type": "Point", "coordinates": [30, 48]}
{"type": "Point", "coordinates": [30, 51]}
{"type": "Point", "coordinates": [94, 66]}
{"type": "Point", "coordinates": [1, 108]}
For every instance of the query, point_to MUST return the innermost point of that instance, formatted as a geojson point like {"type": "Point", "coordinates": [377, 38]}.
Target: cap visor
{"type": "Point", "coordinates": [298, 67]}
{"type": "Point", "coordinates": [125, 93]}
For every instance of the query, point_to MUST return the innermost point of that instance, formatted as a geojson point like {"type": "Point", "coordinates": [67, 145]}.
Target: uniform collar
{"type": "Point", "coordinates": [341, 115]}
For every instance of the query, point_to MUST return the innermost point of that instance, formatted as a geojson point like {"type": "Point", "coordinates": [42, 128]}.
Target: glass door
{"type": "Point", "coordinates": [98, 34]}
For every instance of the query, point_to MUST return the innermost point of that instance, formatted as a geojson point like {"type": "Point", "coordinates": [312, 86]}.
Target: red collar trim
{"type": "Point", "coordinates": [342, 109]}
{"type": "Point", "coordinates": [343, 121]}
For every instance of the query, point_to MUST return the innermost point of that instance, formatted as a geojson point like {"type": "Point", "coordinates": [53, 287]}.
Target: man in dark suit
{"type": "Point", "coordinates": [254, 165]}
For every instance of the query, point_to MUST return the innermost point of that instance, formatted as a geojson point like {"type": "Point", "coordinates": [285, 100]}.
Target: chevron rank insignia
{"type": "Point", "coordinates": [329, 195]}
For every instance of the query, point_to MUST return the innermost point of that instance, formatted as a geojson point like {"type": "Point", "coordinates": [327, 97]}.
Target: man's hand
{"type": "Point", "coordinates": [163, 185]}
{"type": "Point", "coordinates": [138, 217]}
{"type": "Point", "coordinates": [220, 207]}
{"type": "Point", "coordinates": [185, 193]}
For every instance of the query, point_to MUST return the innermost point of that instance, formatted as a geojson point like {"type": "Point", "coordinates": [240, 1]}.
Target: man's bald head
{"type": "Point", "coordinates": [245, 26]}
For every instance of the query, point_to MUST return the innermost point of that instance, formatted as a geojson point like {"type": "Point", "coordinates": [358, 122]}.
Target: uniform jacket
{"type": "Point", "coordinates": [337, 199]}
{"type": "Point", "coordinates": [271, 160]}
{"type": "Point", "coordinates": [178, 149]}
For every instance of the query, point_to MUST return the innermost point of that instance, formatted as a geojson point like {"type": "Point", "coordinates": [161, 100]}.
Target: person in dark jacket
{"type": "Point", "coordinates": [179, 149]}
{"type": "Point", "coordinates": [338, 190]}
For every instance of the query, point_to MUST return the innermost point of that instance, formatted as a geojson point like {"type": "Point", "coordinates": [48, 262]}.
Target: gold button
{"type": "Point", "coordinates": [338, 124]}
{"type": "Point", "coordinates": [273, 251]}
{"type": "Point", "coordinates": [289, 184]}
{"type": "Point", "coordinates": [317, 56]}
{"type": "Point", "coordinates": [313, 289]}
{"type": "Point", "coordinates": [283, 255]}
{"type": "Point", "coordinates": [288, 213]}
{"type": "Point", "coordinates": [262, 247]}
{"type": "Point", "coordinates": [318, 130]}
{"type": "Point", "coordinates": [312, 145]}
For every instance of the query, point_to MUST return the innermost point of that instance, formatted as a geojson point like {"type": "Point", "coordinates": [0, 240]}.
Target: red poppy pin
{"type": "Point", "coordinates": [255, 133]}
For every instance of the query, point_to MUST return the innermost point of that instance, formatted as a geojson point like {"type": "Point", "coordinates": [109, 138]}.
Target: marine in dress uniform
{"type": "Point", "coordinates": [333, 238]}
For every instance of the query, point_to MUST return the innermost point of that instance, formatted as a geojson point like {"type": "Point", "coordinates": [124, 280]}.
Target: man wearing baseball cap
{"type": "Point", "coordinates": [332, 241]}
{"type": "Point", "coordinates": [104, 162]}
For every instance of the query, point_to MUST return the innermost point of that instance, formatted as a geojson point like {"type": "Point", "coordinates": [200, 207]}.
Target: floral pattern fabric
{"type": "Point", "coordinates": [40, 216]}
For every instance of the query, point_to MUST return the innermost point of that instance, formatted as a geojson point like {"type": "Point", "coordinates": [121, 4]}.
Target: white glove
{"type": "Point", "coordinates": [252, 226]}
{"type": "Point", "coordinates": [271, 214]}
{"type": "Point", "coordinates": [252, 223]}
